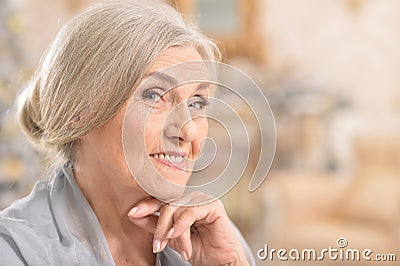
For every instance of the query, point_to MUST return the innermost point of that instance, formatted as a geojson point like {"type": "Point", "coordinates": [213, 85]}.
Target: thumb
{"type": "Point", "coordinates": [147, 223]}
{"type": "Point", "coordinates": [144, 214]}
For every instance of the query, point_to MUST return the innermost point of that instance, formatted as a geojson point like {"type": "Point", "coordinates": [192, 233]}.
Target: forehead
{"type": "Point", "coordinates": [175, 55]}
{"type": "Point", "coordinates": [182, 64]}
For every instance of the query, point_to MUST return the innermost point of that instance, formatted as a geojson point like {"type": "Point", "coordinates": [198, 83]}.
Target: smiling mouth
{"type": "Point", "coordinates": [175, 161]}
{"type": "Point", "coordinates": [166, 157]}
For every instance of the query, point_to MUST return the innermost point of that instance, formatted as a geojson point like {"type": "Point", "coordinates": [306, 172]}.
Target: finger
{"type": "Point", "coordinates": [164, 224]}
{"type": "Point", "coordinates": [186, 245]}
{"type": "Point", "coordinates": [183, 219]}
{"type": "Point", "coordinates": [203, 214]}
{"type": "Point", "coordinates": [148, 223]}
{"type": "Point", "coordinates": [182, 245]}
{"type": "Point", "coordinates": [145, 207]}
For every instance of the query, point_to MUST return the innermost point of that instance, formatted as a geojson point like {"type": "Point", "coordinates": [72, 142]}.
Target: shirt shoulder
{"type": "Point", "coordinates": [19, 245]}
{"type": "Point", "coordinates": [9, 251]}
{"type": "Point", "coordinates": [37, 202]}
{"type": "Point", "coordinates": [22, 231]}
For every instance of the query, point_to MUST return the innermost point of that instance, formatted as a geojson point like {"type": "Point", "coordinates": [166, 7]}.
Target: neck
{"type": "Point", "coordinates": [111, 202]}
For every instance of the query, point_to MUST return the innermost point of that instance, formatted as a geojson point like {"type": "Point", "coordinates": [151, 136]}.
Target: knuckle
{"type": "Point", "coordinates": [159, 229]}
{"type": "Point", "coordinates": [165, 207]}
{"type": "Point", "coordinates": [218, 203]}
{"type": "Point", "coordinates": [186, 217]}
{"type": "Point", "coordinates": [190, 213]}
{"type": "Point", "coordinates": [168, 209]}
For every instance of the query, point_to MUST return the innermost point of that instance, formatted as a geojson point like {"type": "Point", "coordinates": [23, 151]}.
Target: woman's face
{"type": "Point", "coordinates": [163, 127]}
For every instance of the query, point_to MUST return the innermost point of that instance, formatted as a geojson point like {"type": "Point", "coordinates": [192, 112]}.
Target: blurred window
{"type": "Point", "coordinates": [218, 17]}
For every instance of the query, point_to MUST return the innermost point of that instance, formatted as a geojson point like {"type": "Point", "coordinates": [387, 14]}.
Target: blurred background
{"type": "Point", "coordinates": [331, 72]}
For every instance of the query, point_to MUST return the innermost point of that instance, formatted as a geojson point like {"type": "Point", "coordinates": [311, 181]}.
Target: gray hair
{"type": "Point", "coordinates": [94, 65]}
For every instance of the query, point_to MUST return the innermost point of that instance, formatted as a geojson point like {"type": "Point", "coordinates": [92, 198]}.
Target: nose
{"type": "Point", "coordinates": [180, 126]}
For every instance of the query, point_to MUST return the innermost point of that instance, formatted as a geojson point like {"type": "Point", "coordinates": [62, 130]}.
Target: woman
{"type": "Point", "coordinates": [94, 212]}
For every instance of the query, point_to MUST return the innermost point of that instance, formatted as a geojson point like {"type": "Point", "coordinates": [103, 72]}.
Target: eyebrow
{"type": "Point", "coordinates": [203, 86]}
{"type": "Point", "coordinates": [173, 82]}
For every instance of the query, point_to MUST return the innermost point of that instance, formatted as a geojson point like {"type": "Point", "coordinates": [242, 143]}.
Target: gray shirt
{"type": "Point", "coordinates": [55, 225]}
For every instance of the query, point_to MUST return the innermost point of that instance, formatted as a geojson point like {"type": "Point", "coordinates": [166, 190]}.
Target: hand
{"type": "Point", "coordinates": [202, 234]}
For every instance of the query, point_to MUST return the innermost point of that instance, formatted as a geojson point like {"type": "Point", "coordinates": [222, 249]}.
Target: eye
{"type": "Point", "coordinates": [198, 102]}
{"type": "Point", "coordinates": [153, 94]}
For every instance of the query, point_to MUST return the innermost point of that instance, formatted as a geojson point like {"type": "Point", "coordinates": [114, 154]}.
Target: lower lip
{"type": "Point", "coordinates": [176, 165]}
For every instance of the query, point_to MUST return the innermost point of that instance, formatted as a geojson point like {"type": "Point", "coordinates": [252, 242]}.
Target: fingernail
{"type": "Point", "coordinates": [156, 246]}
{"type": "Point", "coordinates": [170, 233]}
{"type": "Point", "coordinates": [184, 256]}
{"type": "Point", "coordinates": [164, 244]}
{"type": "Point", "coordinates": [133, 211]}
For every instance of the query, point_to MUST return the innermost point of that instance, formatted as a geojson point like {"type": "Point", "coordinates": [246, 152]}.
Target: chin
{"type": "Point", "coordinates": [169, 195]}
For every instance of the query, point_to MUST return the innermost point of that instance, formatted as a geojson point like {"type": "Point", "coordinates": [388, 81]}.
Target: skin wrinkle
{"type": "Point", "coordinates": [80, 59]}
{"type": "Point", "coordinates": [96, 68]}
{"type": "Point", "coordinates": [102, 174]}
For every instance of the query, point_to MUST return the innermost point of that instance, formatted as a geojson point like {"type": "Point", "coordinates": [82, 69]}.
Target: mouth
{"type": "Point", "coordinates": [171, 159]}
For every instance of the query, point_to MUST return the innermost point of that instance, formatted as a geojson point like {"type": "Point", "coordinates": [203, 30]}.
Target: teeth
{"type": "Point", "coordinates": [171, 158]}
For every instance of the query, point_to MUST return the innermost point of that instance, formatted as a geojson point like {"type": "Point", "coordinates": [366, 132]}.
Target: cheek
{"type": "Point", "coordinates": [108, 139]}
{"type": "Point", "coordinates": [133, 136]}
{"type": "Point", "coordinates": [153, 129]}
